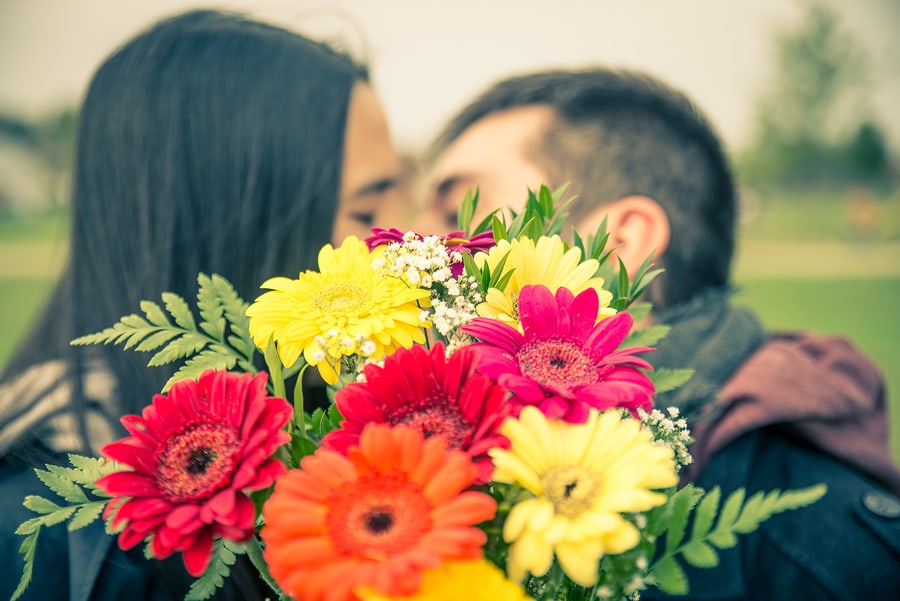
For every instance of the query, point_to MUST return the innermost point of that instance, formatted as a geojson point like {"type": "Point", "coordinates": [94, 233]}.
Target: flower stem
{"type": "Point", "coordinates": [276, 373]}
{"type": "Point", "coordinates": [299, 413]}
{"type": "Point", "coordinates": [254, 552]}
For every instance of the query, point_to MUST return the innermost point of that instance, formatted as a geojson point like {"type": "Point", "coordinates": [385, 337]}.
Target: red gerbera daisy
{"type": "Point", "coordinates": [454, 241]}
{"type": "Point", "coordinates": [565, 362]}
{"type": "Point", "coordinates": [396, 505]}
{"type": "Point", "coordinates": [194, 454]}
{"type": "Point", "coordinates": [426, 391]}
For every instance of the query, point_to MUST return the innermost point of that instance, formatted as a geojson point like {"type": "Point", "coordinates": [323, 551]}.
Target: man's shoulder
{"type": "Point", "coordinates": [844, 545]}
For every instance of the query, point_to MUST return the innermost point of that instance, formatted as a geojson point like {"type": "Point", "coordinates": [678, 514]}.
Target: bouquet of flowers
{"type": "Point", "coordinates": [491, 428]}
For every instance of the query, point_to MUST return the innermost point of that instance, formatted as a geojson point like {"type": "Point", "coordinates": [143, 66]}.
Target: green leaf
{"type": "Point", "coordinates": [301, 446]}
{"type": "Point", "coordinates": [498, 229]}
{"type": "Point", "coordinates": [723, 535]}
{"type": "Point", "coordinates": [665, 379]}
{"type": "Point", "coordinates": [212, 313]}
{"type": "Point", "coordinates": [699, 554]}
{"type": "Point", "coordinates": [761, 507]}
{"type": "Point", "coordinates": [545, 201]}
{"type": "Point", "coordinates": [705, 514]}
{"type": "Point", "coordinates": [224, 555]}
{"type": "Point", "coordinates": [471, 267]}
{"type": "Point", "coordinates": [640, 310]}
{"type": "Point", "coordinates": [212, 358]}
{"type": "Point", "coordinates": [467, 210]}
{"type": "Point", "coordinates": [497, 276]}
{"type": "Point", "coordinates": [681, 503]}
{"type": "Point", "coordinates": [86, 514]}
{"type": "Point", "coordinates": [155, 314]}
{"type": "Point", "coordinates": [186, 345]}
{"type": "Point", "coordinates": [485, 224]}
{"type": "Point", "coordinates": [62, 486]}
{"type": "Point", "coordinates": [29, 526]}
{"type": "Point", "coordinates": [58, 516]}
{"type": "Point", "coordinates": [669, 577]}
{"type": "Point", "coordinates": [27, 550]}
{"type": "Point", "coordinates": [179, 310]}
{"type": "Point", "coordinates": [39, 504]}
{"type": "Point", "coordinates": [156, 339]}
{"type": "Point", "coordinates": [620, 294]}
{"type": "Point", "coordinates": [647, 336]}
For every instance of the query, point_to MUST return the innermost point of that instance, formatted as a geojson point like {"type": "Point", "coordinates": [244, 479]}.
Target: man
{"type": "Point", "coordinates": [767, 411]}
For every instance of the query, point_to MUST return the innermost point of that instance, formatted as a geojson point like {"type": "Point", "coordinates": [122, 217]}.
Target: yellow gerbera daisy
{"type": "Point", "coordinates": [545, 262]}
{"type": "Point", "coordinates": [331, 313]}
{"type": "Point", "coordinates": [477, 580]}
{"type": "Point", "coordinates": [584, 477]}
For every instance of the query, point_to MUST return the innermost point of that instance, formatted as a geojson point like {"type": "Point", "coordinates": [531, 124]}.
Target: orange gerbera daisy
{"type": "Point", "coordinates": [395, 505]}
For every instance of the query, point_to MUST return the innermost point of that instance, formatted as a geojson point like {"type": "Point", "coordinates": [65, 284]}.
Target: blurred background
{"type": "Point", "coordinates": [805, 93]}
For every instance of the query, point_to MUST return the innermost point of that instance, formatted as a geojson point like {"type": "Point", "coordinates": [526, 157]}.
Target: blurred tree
{"type": "Point", "coordinates": [47, 145]}
{"type": "Point", "coordinates": [813, 124]}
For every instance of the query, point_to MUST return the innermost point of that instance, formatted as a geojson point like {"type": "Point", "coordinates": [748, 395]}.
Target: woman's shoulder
{"type": "Point", "coordinates": [86, 564]}
{"type": "Point", "coordinates": [845, 545]}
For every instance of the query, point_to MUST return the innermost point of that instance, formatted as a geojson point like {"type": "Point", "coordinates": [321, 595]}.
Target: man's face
{"type": "Point", "coordinates": [493, 154]}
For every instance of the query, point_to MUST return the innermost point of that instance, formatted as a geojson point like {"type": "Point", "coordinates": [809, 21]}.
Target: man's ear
{"type": "Point", "coordinates": [637, 226]}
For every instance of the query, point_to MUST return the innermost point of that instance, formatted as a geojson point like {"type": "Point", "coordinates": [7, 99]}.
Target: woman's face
{"type": "Point", "coordinates": [371, 168]}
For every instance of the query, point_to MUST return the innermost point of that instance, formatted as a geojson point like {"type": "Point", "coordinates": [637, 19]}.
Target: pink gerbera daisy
{"type": "Point", "coordinates": [194, 455]}
{"type": "Point", "coordinates": [432, 394]}
{"type": "Point", "coordinates": [565, 362]}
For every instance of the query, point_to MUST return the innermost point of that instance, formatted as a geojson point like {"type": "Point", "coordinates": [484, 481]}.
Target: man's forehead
{"type": "Point", "coordinates": [490, 143]}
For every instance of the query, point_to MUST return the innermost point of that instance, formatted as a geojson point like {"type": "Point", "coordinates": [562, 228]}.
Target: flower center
{"type": "Point", "coordinates": [571, 489]}
{"type": "Point", "coordinates": [377, 516]}
{"type": "Point", "coordinates": [340, 298]}
{"type": "Point", "coordinates": [433, 416]}
{"type": "Point", "coordinates": [557, 364]}
{"type": "Point", "coordinates": [197, 462]}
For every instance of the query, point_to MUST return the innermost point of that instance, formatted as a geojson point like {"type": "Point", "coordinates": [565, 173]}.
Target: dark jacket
{"type": "Point", "coordinates": [844, 547]}
{"type": "Point", "coordinates": [784, 412]}
{"type": "Point", "coordinates": [83, 565]}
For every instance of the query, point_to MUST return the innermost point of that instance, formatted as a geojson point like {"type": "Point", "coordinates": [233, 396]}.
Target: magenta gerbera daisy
{"type": "Point", "coordinates": [565, 362]}
{"type": "Point", "coordinates": [194, 454]}
{"type": "Point", "coordinates": [424, 390]}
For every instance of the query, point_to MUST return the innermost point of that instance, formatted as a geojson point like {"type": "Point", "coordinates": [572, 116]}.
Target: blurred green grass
{"type": "Point", "coordinates": [820, 282]}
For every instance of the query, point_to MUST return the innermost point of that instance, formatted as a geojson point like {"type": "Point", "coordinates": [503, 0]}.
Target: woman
{"type": "Point", "coordinates": [209, 143]}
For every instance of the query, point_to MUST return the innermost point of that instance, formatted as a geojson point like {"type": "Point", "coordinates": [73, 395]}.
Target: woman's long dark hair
{"type": "Point", "coordinates": [209, 143]}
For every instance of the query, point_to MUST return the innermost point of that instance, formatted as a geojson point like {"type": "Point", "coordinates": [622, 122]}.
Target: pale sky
{"type": "Point", "coordinates": [429, 57]}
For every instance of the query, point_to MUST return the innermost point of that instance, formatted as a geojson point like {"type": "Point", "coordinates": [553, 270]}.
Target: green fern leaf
{"type": "Point", "coordinates": [757, 511]}
{"type": "Point", "coordinates": [61, 485]}
{"type": "Point", "coordinates": [665, 380]}
{"type": "Point", "coordinates": [27, 550]}
{"type": "Point", "coordinates": [212, 358]}
{"type": "Point", "coordinates": [156, 340]}
{"type": "Point", "coordinates": [700, 554]}
{"type": "Point", "coordinates": [647, 336]}
{"type": "Point", "coordinates": [211, 311]}
{"type": "Point", "coordinates": [705, 514]}
{"type": "Point", "coordinates": [186, 345]}
{"type": "Point", "coordinates": [668, 576]}
{"type": "Point", "coordinates": [155, 314]}
{"type": "Point", "coordinates": [87, 470]}
{"type": "Point", "coordinates": [39, 504]}
{"type": "Point", "coordinates": [179, 310]}
{"type": "Point", "coordinates": [680, 505]}
{"type": "Point", "coordinates": [219, 568]}
{"type": "Point", "coordinates": [85, 514]}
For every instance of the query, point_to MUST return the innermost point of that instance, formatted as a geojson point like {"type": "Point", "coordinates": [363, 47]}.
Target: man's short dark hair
{"type": "Point", "coordinates": [617, 134]}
